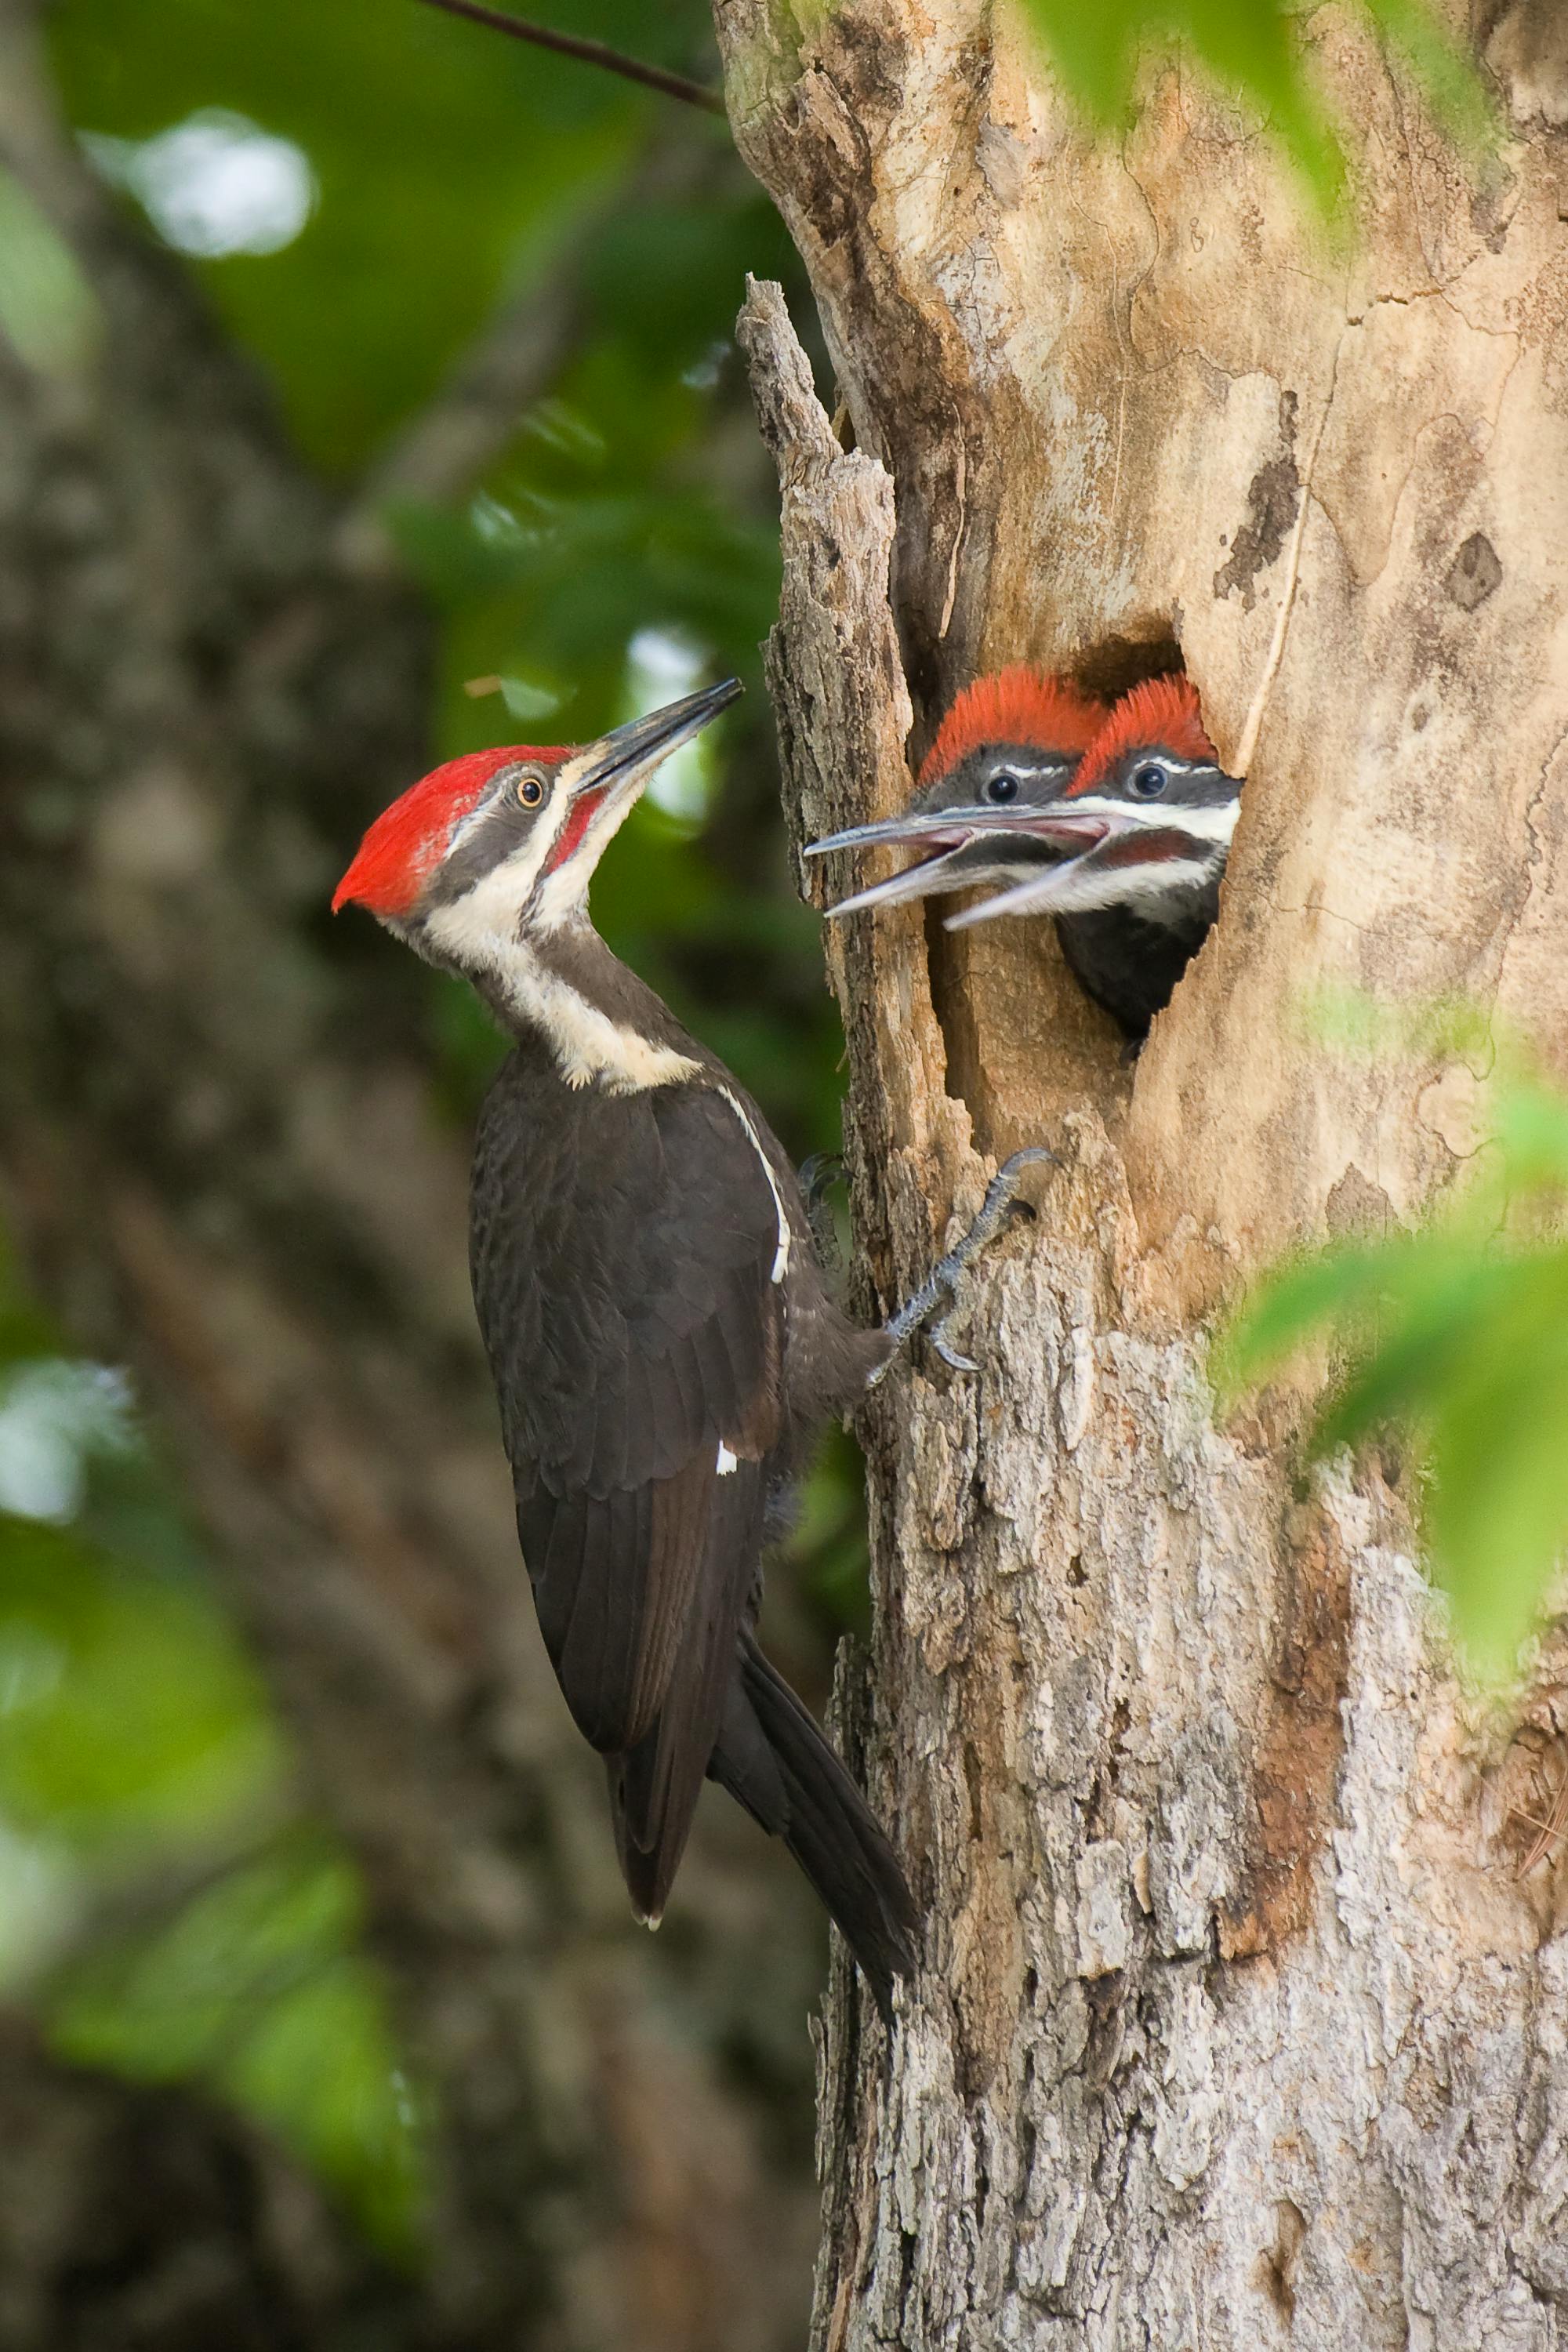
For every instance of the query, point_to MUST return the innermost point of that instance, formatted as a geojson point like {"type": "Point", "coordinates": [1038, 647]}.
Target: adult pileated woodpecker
{"type": "Point", "coordinates": [659, 1328]}
{"type": "Point", "coordinates": [1128, 853]}
{"type": "Point", "coordinates": [1006, 751]}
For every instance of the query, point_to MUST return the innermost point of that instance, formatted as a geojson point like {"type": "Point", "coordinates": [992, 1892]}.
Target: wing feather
{"type": "Point", "coordinates": [622, 1250]}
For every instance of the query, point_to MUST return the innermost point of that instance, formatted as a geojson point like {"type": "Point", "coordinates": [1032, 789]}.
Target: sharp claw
{"type": "Point", "coordinates": [949, 1356]}
{"type": "Point", "coordinates": [1001, 1202]}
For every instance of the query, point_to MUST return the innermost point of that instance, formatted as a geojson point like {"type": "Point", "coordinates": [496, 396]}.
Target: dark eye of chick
{"type": "Point", "coordinates": [1150, 782]}
{"type": "Point", "coordinates": [1002, 788]}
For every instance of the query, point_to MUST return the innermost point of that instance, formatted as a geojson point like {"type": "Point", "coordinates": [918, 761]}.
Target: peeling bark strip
{"type": "Point", "coordinates": [1237, 2026]}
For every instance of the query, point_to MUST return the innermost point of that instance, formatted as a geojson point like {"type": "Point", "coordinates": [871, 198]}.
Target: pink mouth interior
{"type": "Point", "coordinates": [1075, 838]}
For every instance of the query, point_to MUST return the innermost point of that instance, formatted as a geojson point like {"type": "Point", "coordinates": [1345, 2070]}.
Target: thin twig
{"type": "Point", "coordinates": [592, 53]}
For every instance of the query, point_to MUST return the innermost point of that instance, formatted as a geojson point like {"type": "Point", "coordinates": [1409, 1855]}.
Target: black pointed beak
{"type": "Point", "coordinates": [1069, 828]}
{"type": "Point", "coordinates": [960, 844]}
{"type": "Point", "coordinates": [626, 757]}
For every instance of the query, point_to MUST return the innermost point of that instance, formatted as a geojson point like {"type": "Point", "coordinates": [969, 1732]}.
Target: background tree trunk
{"type": "Point", "coordinates": [221, 1164]}
{"type": "Point", "coordinates": [1238, 2024]}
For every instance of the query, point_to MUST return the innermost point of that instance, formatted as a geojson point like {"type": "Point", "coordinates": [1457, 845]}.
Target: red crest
{"type": "Point", "coordinates": [1161, 715]}
{"type": "Point", "coordinates": [410, 837]}
{"type": "Point", "coordinates": [1021, 704]}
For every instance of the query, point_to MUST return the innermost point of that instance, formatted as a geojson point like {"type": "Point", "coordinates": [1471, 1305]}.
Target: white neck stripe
{"type": "Point", "coordinates": [781, 1255]}
{"type": "Point", "coordinates": [478, 933]}
{"type": "Point", "coordinates": [1213, 824]}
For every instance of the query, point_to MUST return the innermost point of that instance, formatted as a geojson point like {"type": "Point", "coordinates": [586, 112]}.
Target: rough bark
{"type": "Point", "coordinates": [1237, 2024]}
{"type": "Point", "coordinates": [221, 1161]}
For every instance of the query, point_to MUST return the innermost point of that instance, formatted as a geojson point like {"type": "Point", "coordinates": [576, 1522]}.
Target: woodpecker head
{"type": "Point", "coordinates": [499, 847]}
{"type": "Point", "coordinates": [1003, 755]}
{"type": "Point", "coordinates": [1149, 812]}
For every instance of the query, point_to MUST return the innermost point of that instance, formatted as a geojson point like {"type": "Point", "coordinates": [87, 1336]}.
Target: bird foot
{"type": "Point", "coordinates": [943, 1281]}
{"type": "Point", "coordinates": [817, 1177]}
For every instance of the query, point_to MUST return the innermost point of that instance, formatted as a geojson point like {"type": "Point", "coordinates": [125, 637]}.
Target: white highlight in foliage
{"type": "Point", "coordinates": [216, 185]}
{"type": "Point", "coordinates": [663, 667]}
{"type": "Point", "coordinates": [53, 1415]}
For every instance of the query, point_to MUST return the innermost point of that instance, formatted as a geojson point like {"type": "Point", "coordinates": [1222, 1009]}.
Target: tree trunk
{"type": "Point", "coordinates": [220, 1160]}
{"type": "Point", "coordinates": [1237, 2024]}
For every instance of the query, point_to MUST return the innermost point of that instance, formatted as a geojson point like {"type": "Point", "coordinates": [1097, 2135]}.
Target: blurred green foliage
{"type": "Point", "coordinates": [447, 162]}
{"type": "Point", "coordinates": [453, 168]}
{"type": "Point", "coordinates": [180, 1917]}
{"type": "Point", "coordinates": [257, 1985]}
{"type": "Point", "coordinates": [1453, 1338]}
{"type": "Point", "coordinates": [47, 310]}
{"type": "Point", "coordinates": [168, 1907]}
{"type": "Point", "coordinates": [1260, 50]}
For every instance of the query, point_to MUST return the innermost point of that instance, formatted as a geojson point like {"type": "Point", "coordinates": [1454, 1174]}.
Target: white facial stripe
{"type": "Point", "coordinates": [728, 1462]}
{"type": "Point", "coordinates": [1216, 825]}
{"type": "Point", "coordinates": [1080, 888]}
{"type": "Point", "coordinates": [474, 929]}
{"type": "Point", "coordinates": [492, 908]}
{"type": "Point", "coordinates": [781, 1255]}
{"type": "Point", "coordinates": [1050, 766]}
{"type": "Point", "coordinates": [479, 932]}
{"type": "Point", "coordinates": [1175, 766]}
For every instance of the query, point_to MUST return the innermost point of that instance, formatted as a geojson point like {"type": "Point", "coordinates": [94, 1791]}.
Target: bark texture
{"type": "Point", "coordinates": [1239, 2024]}
{"type": "Point", "coordinates": [220, 1158]}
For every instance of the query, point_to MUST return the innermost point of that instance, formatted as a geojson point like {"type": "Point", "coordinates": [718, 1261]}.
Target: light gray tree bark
{"type": "Point", "coordinates": [1239, 2023]}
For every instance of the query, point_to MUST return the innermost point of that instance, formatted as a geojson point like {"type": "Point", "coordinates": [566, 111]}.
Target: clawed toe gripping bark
{"type": "Point", "coordinates": [1002, 1201]}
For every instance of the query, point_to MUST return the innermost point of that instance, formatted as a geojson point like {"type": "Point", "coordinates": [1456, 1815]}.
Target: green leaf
{"type": "Point", "coordinates": [1253, 49]}
{"type": "Point", "coordinates": [1337, 1288]}
{"type": "Point", "coordinates": [127, 1711]}
{"type": "Point", "coordinates": [1532, 1127]}
{"type": "Point", "coordinates": [1458, 1335]}
{"type": "Point", "coordinates": [1446, 74]}
{"type": "Point", "coordinates": [1440, 1299]}
{"type": "Point", "coordinates": [1497, 1507]}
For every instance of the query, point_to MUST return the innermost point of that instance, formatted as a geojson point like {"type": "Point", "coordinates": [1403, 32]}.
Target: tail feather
{"type": "Point", "coordinates": [774, 1760]}
{"type": "Point", "coordinates": [654, 1787]}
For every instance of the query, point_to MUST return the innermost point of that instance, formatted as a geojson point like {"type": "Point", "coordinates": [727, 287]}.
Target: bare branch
{"type": "Point", "coordinates": [592, 53]}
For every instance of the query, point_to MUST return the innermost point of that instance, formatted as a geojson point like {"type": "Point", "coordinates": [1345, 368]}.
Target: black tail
{"type": "Point", "coordinates": [774, 1760]}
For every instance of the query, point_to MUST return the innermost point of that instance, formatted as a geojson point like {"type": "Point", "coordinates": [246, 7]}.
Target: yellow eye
{"type": "Point", "coordinates": [530, 791]}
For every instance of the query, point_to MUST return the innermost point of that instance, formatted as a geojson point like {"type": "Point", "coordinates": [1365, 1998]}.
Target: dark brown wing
{"type": "Point", "coordinates": [622, 1250]}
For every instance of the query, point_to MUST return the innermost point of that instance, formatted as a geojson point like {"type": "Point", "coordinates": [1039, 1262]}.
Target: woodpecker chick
{"type": "Point", "coordinates": [658, 1327]}
{"type": "Point", "coordinates": [1003, 755]}
{"type": "Point", "coordinates": [1154, 814]}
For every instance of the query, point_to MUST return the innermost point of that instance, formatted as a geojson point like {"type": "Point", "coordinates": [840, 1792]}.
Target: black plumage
{"type": "Point", "coordinates": [624, 1247]}
{"type": "Point", "coordinates": [1130, 964]}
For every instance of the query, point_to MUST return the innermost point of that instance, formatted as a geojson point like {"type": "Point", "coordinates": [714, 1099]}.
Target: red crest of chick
{"type": "Point", "coordinates": [1020, 704]}
{"type": "Point", "coordinates": [1162, 714]}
